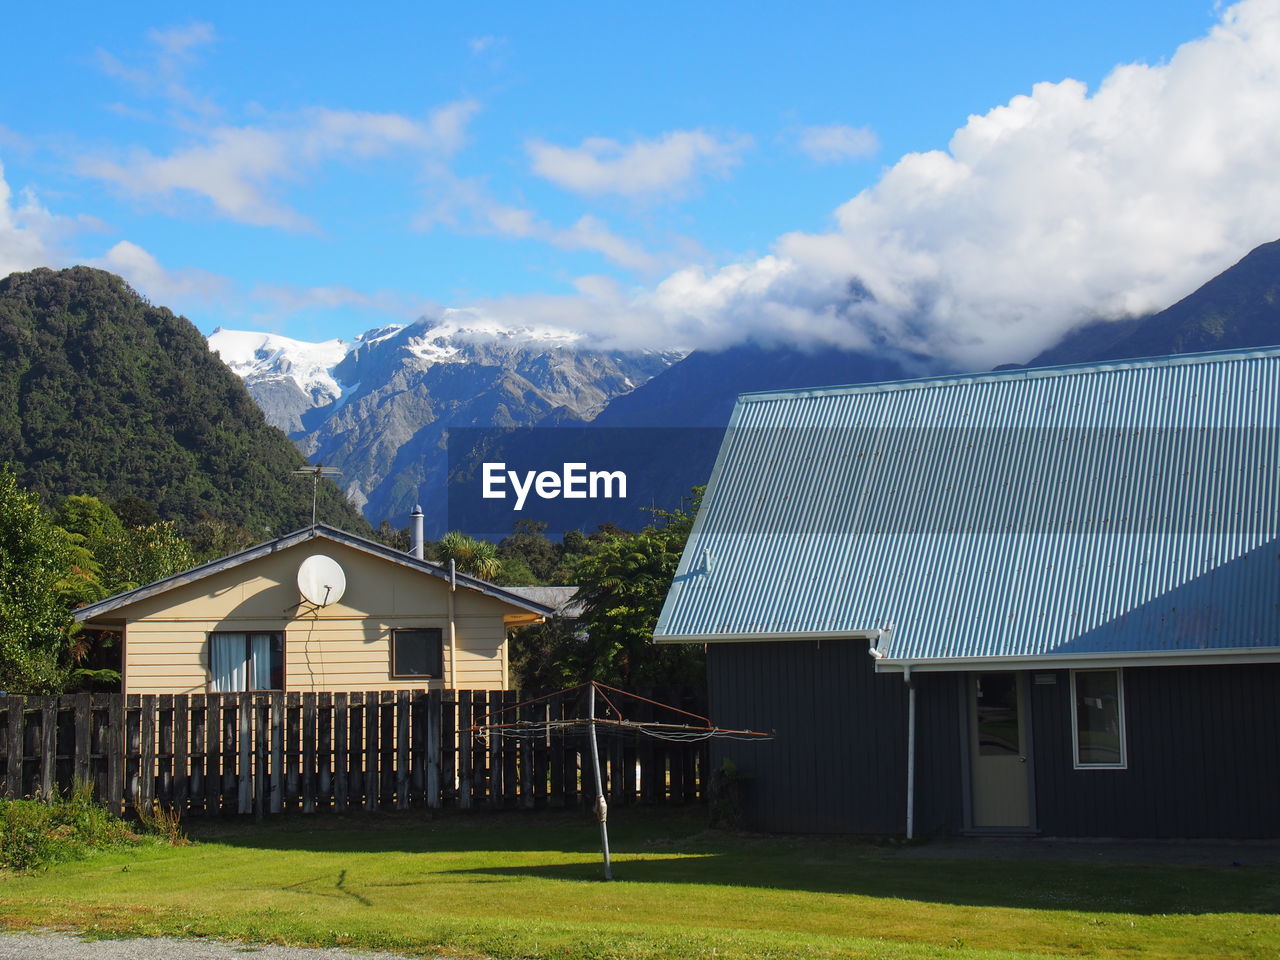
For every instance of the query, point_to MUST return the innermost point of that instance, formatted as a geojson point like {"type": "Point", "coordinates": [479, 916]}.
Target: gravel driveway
{"type": "Point", "coordinates": [67, 946]}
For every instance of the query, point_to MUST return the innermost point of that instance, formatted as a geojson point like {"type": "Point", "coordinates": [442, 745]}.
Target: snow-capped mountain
{"type": "Point", "coordinates": [288, 377]}
{"type": "Point", "coordinates": [378, 407]}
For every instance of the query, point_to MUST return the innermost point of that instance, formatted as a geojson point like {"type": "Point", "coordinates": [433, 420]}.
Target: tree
{"type": "Point", "coordinates": [621, 587]}
{"type": "Point", "coordinates": [37, 572]}
{"type": "Point", "coordinates": [113, 557]}
{"type": "Point", "coordinates": [123, 557]}
{"type": "Point", "coordinates": [479, 558]}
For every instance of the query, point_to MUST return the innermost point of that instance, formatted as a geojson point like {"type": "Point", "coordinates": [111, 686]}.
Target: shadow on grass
{"type": "Point", "coordinates": [1088, 887]}
{"type": "Point", "coordinates": [674, 847]}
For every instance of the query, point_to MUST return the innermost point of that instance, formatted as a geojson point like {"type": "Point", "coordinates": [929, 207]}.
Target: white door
{"type": "Point", "coordinates": [998, 748]}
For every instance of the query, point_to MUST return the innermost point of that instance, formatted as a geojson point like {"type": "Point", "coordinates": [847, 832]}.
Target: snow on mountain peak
{"type": "Point", "coordinates": [438, 340]}
{"type": "Point", "coordinates": [250, 353]}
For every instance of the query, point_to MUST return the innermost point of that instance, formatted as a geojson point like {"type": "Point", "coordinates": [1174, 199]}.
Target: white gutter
{"type": "Point", "coordinates": [873, 635]}
{"type": "Point", "coordinates": [1049, 661]}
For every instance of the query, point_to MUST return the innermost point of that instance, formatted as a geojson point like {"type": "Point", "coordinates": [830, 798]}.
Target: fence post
{"type": "Point", "coordinates": [432, 735]}
{"type": "Point", "coordinates": [341, 718]}
{"type": "Point", "coordinates": [293, 740]}
{"type": "Point", "coordinates": [164, 758]}
{"type": "Point", "coordinates": [402, 706]}
{"type": "Point", "coordinates": [48, 745]}
{"type": "Point", "coordinates": [13, 766]}
{"type": "Point", "coordinates": [274, 705]}
{"type": "Point", "coordinates": [310, 734]}
{"type": "Point", "coordinates": [372, 780]}
{"type": "Point", "coordinates": [465, 765]}
{"type": "Point", "coordinates": [181, 751]}
{"type": "Point", "coordinates": [83, 738]}
{"type": "Point", "coordinates": [244, 719]}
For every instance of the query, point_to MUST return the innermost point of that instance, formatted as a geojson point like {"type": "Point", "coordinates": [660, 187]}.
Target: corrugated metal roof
{"type": "Point", "coordinates": [1084, 510]}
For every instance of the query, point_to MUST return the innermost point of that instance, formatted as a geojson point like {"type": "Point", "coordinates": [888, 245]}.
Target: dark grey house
{"type": "Point", "coordinates": [1035, 601]}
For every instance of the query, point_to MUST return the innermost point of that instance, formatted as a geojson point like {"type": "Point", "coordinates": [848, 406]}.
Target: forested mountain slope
{"type": "Point", "coordinates": [102, 393]}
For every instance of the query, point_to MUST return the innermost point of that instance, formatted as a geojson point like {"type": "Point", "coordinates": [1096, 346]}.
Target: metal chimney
{"type": "Point", "coordinates": [415, 532]}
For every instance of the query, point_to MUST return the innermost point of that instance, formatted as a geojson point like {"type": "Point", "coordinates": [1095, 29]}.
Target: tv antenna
{"type": "Point", "coordinates": [315, 473]}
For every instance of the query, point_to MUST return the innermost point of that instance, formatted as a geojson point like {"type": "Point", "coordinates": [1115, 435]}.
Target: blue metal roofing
{"type": "Point", "coordinates": [1127, 507]}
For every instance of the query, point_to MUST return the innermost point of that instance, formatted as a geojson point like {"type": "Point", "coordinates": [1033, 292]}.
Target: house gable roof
{"type": "Point", "coordinates": [1007, 516]}
{"type": "Point", "coordinates": [318, 533]}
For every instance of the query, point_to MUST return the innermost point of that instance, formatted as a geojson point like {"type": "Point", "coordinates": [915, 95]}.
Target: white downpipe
{"type": "Point", "coordinates": [453, 630]}
{"type": "Point", "coordinates": [911, 752]}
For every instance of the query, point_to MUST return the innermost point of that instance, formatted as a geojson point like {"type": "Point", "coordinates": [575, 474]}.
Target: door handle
{"type": "Point", "coordinates": [1022, 759]}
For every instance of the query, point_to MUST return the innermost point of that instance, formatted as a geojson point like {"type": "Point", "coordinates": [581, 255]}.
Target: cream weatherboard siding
{"type": "Point", "coordinates": [345, 646]}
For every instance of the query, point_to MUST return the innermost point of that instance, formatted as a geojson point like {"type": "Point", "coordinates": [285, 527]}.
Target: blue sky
{"type": "Point", "coordinates": [665, 175]}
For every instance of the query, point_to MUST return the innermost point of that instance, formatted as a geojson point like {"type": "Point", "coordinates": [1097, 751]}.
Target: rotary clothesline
{"type": "Point", "coordinates": [617, 725]}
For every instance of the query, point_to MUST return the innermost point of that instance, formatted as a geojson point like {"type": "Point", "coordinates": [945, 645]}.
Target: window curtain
{"type": "Point", "coordinates": [260, 661]}
{"type": "Point", "coordinates": [227, 662]}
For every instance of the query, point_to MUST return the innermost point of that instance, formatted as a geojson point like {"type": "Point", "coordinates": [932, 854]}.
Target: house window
{"type": "Point", "coordinates": [1097, 731]}
{"type": "Point", "coordinates": [417, 653]}
{"type": "Point", "coordinates": [246, 661]}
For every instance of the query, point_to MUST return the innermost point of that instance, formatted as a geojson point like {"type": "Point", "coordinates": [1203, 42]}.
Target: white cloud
{"type": "Point", "coordinates": [665, 165]}
{"type": "Point", "coordinates": [590, 233]}
{"type": "Point", "coordinates": [30, 236]}
{"type": "Point", "coordinates": [179, 42]}
{"type": "Point", "coordinates": [1057, 208]}
{"type": "Point", "coordinates": [158, 284]}
{"type": "Point", "coordinates": [837, 143]}
{"type": "Point", "coordinates": [164, 73]}
{"type": "Point", "coordinates": [466, 204]}
{"type": "Point", "coordinates": [241, 170]}
{"type": "Point", "coordinates": [234, 170]}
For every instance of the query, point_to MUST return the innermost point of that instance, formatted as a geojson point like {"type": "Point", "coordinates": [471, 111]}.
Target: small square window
{"type": "Point", "coordinates": [417, 653]}
{"type": "Point", "coordinates": [1097, 731]}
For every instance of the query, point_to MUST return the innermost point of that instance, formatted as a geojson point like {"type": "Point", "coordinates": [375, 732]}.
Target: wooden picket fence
{"type": "Point", "coordinates": [266, 753]}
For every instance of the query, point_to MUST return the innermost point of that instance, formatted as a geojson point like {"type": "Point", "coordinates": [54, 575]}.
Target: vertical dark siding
{"type": "Point", "coordinates": [837, 763]}
{"type": "Point", "coordinates": [1203, 757]}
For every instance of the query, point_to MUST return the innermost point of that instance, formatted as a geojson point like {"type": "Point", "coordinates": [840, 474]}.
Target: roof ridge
{"type": "Point", "coordinates": [1019, 373]}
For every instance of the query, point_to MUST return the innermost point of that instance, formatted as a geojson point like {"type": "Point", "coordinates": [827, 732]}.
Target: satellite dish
{"type": "Point", "coordinates": [321, 581]}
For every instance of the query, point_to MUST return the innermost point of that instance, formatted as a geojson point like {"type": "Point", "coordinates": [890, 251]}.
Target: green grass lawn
{"type": "Point", "coordinates": [527, 885]}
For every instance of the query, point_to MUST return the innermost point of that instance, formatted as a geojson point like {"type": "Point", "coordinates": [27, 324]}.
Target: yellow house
{"type": "Point", "coordinates": [318, 610]}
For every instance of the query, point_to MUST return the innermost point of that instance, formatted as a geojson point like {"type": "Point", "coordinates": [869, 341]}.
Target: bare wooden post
{"type": "Point", "coordinates": [261, 753]}
{"type": "Point", "coordinates": [310, 734]}
{"type": "Point", "coordinates": [196, 759]}
{"type": "Point", "coordinates": [402, 706]}
{"type": "Point", "coordinates": [212, 753]}
{"type": "Point", "coordinates": [244, 706]}
{"type": "Point", "coordinates": [528, 749]}
{"type": "Point", "coordinates": [294, 736]}
{"type": "Point", "coordinates": [465, 769]}
{"type": "Point", "coordinates": [273, 703]}
{"type": "Point", "coordinates": [181, 751]}
{"type": "Point", "coordinates": [48, 744]}
{"type": "Point", "coordinates": [448, 747]}
{"type": "Point", "coordinates": [13, 772]}
{"type": "Point", "coordinates": [432, 735]}
{"type": "Point", "coordinates": [115, 754]}
{"type": "Point", "coordinates": [555, 711]}
{"type": "Point", "coordinates": [371, 779]}
{"type": "Point", "coordinates": [340, 720]}
{"type": "Point", "coordinates": [83, 736]}
{"type": "Point", "coordinates": [164, 757]}
{"type": "Point", "coordinates": [324, 760]}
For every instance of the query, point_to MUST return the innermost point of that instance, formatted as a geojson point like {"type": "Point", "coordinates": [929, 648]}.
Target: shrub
{"type": "Point", "coordinates": [38, 833]}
